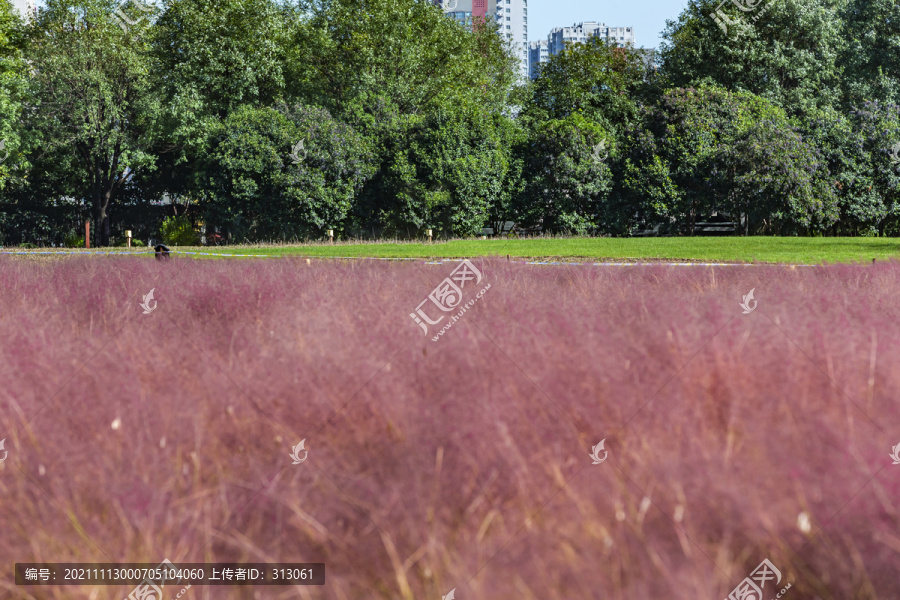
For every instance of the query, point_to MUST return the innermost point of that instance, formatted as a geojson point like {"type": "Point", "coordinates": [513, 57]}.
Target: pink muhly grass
{"type": "Point", "coordinates": [461, 463]}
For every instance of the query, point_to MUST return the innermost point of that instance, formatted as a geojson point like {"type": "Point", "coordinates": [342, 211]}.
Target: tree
{"type": "Point", "coordinates": [400, 73]}
{"type": "Point", "coordinates": [772, 180]}
{"type": "Point", "coordinates": [12, 86]}
{"type": "Point", "coordinates": [453, 175]}
{"type": "Point", "coordinates": [850, 174]}
{"type": "Point", "coordinates": [258, 184]}
{"type": "Point", "coordinates": [878, 129]}
{"type": "Point", "coordinates": [601, 82]}
{"type": "Point", "coordinates": [575, 116]}
{"type": "Point", "coordinates": [210, 59]}
{"type": "Point", "coordinates": [871, 58]}
{"type": "Point", "coordinates": [91, 98]}
{"type": "Point", "coordinates": [701, 151]}
{"type": "Point", "coordinates": [785, 51]}
{"type": "Point", "coordinates": [568, 174]}
{"type": "Point", "coordinates": [677, 144]}
{"type": "Point", "coordinates": [351, 55]}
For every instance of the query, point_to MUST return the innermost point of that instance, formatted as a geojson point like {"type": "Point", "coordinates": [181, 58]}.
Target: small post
{"type": "Point", "coordinates": [87, 234]}
{"type": "Point", "coordinates": [331, 236]}
{"type": "Point", "coordinates": [428, 231]}
{"type": "Point", "coordinates": [128, 237]}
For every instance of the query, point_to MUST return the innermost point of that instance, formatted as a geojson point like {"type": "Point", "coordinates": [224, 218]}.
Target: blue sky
{"type": "Point", "coordinates": [648, 17]}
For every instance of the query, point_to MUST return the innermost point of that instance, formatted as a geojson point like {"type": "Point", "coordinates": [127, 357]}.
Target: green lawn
{"type": "Point", "coordinates": [701, 249]}
{"type": "Point", "coordinates": [712, 249]}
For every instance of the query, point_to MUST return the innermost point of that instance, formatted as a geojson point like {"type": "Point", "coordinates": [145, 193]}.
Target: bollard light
{"type": "Point", "coordinates": [331, 235]}
{"type": "Point", "coordinates": [128, 237]}
{"type": "Point", "coordinates": [428, 231]}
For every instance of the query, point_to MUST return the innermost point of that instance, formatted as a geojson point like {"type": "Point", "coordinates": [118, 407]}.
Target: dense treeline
{"type": "Point", "coordinates": [271, 120]}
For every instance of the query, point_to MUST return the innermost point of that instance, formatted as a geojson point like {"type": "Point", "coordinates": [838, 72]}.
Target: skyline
{"type": "Point", "coordinates": [547, 14]}
{"type": "Point", "coordinates": [648, 17]}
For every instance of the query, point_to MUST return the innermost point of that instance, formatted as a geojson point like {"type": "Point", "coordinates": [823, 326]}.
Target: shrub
{"type": "Point", "coordinates": [73, 240]}
{"type": "Point", "coordinates": [179, 231]}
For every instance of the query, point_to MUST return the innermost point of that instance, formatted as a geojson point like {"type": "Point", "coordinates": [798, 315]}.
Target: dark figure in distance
{"type": "Point", "coordinates": [162, 252]}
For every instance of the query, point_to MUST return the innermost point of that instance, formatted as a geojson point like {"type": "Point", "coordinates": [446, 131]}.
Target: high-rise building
{"type": "Point", "coordinates": [577, 33]}
{"type": "Point", "coordinates": [511, 17]}
{"type": "Point", "coordinates": [26, 8]}
{"type": "Point", "coordinates": [538, 52]}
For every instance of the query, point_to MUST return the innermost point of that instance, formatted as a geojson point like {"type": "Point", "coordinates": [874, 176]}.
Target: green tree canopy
{"type": "Point", "coordinates": [707, 150]}
{"type": "Point", "coordinates": [260, 185]}
{"type": "Point", "coordinates": [871, 57]}
{"type": "Point", "coordinates": [568, 162]}
{"type": "Point", "coordinates": [598, 80]}
{"type": "Point", "coordinates": [91, 99]}
{"type": "Point", "coordinates": [786, 51]}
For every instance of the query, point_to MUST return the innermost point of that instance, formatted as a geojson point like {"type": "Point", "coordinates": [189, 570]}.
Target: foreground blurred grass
{"type": "Point", "coordinates": [463, 463]}
{"type": "Point", "coordinates": [712, 249]}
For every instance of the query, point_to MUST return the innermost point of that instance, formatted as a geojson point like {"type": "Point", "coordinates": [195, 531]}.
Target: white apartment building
{"type": "Point", "coordinates": [510, 15]}
{"type": "Point", "coordinates": [25, 8]}
{"type": "Point", "coordinates": [577, 33]}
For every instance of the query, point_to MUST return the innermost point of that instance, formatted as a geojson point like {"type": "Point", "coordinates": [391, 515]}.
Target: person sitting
{"type": "Point", "coordinates": [162, 252]}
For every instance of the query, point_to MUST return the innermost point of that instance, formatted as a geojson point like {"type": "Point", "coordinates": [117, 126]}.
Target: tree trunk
{"type": "Point", "coordinates": [100, 235]}
{"type": "Point", "coordinates": [96, 224]}
{"type": "Point", "coordinates": [104, 229]}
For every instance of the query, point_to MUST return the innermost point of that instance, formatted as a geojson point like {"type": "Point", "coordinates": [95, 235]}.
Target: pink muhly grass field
{"type": "Point", "coordinates": [463, 463]}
